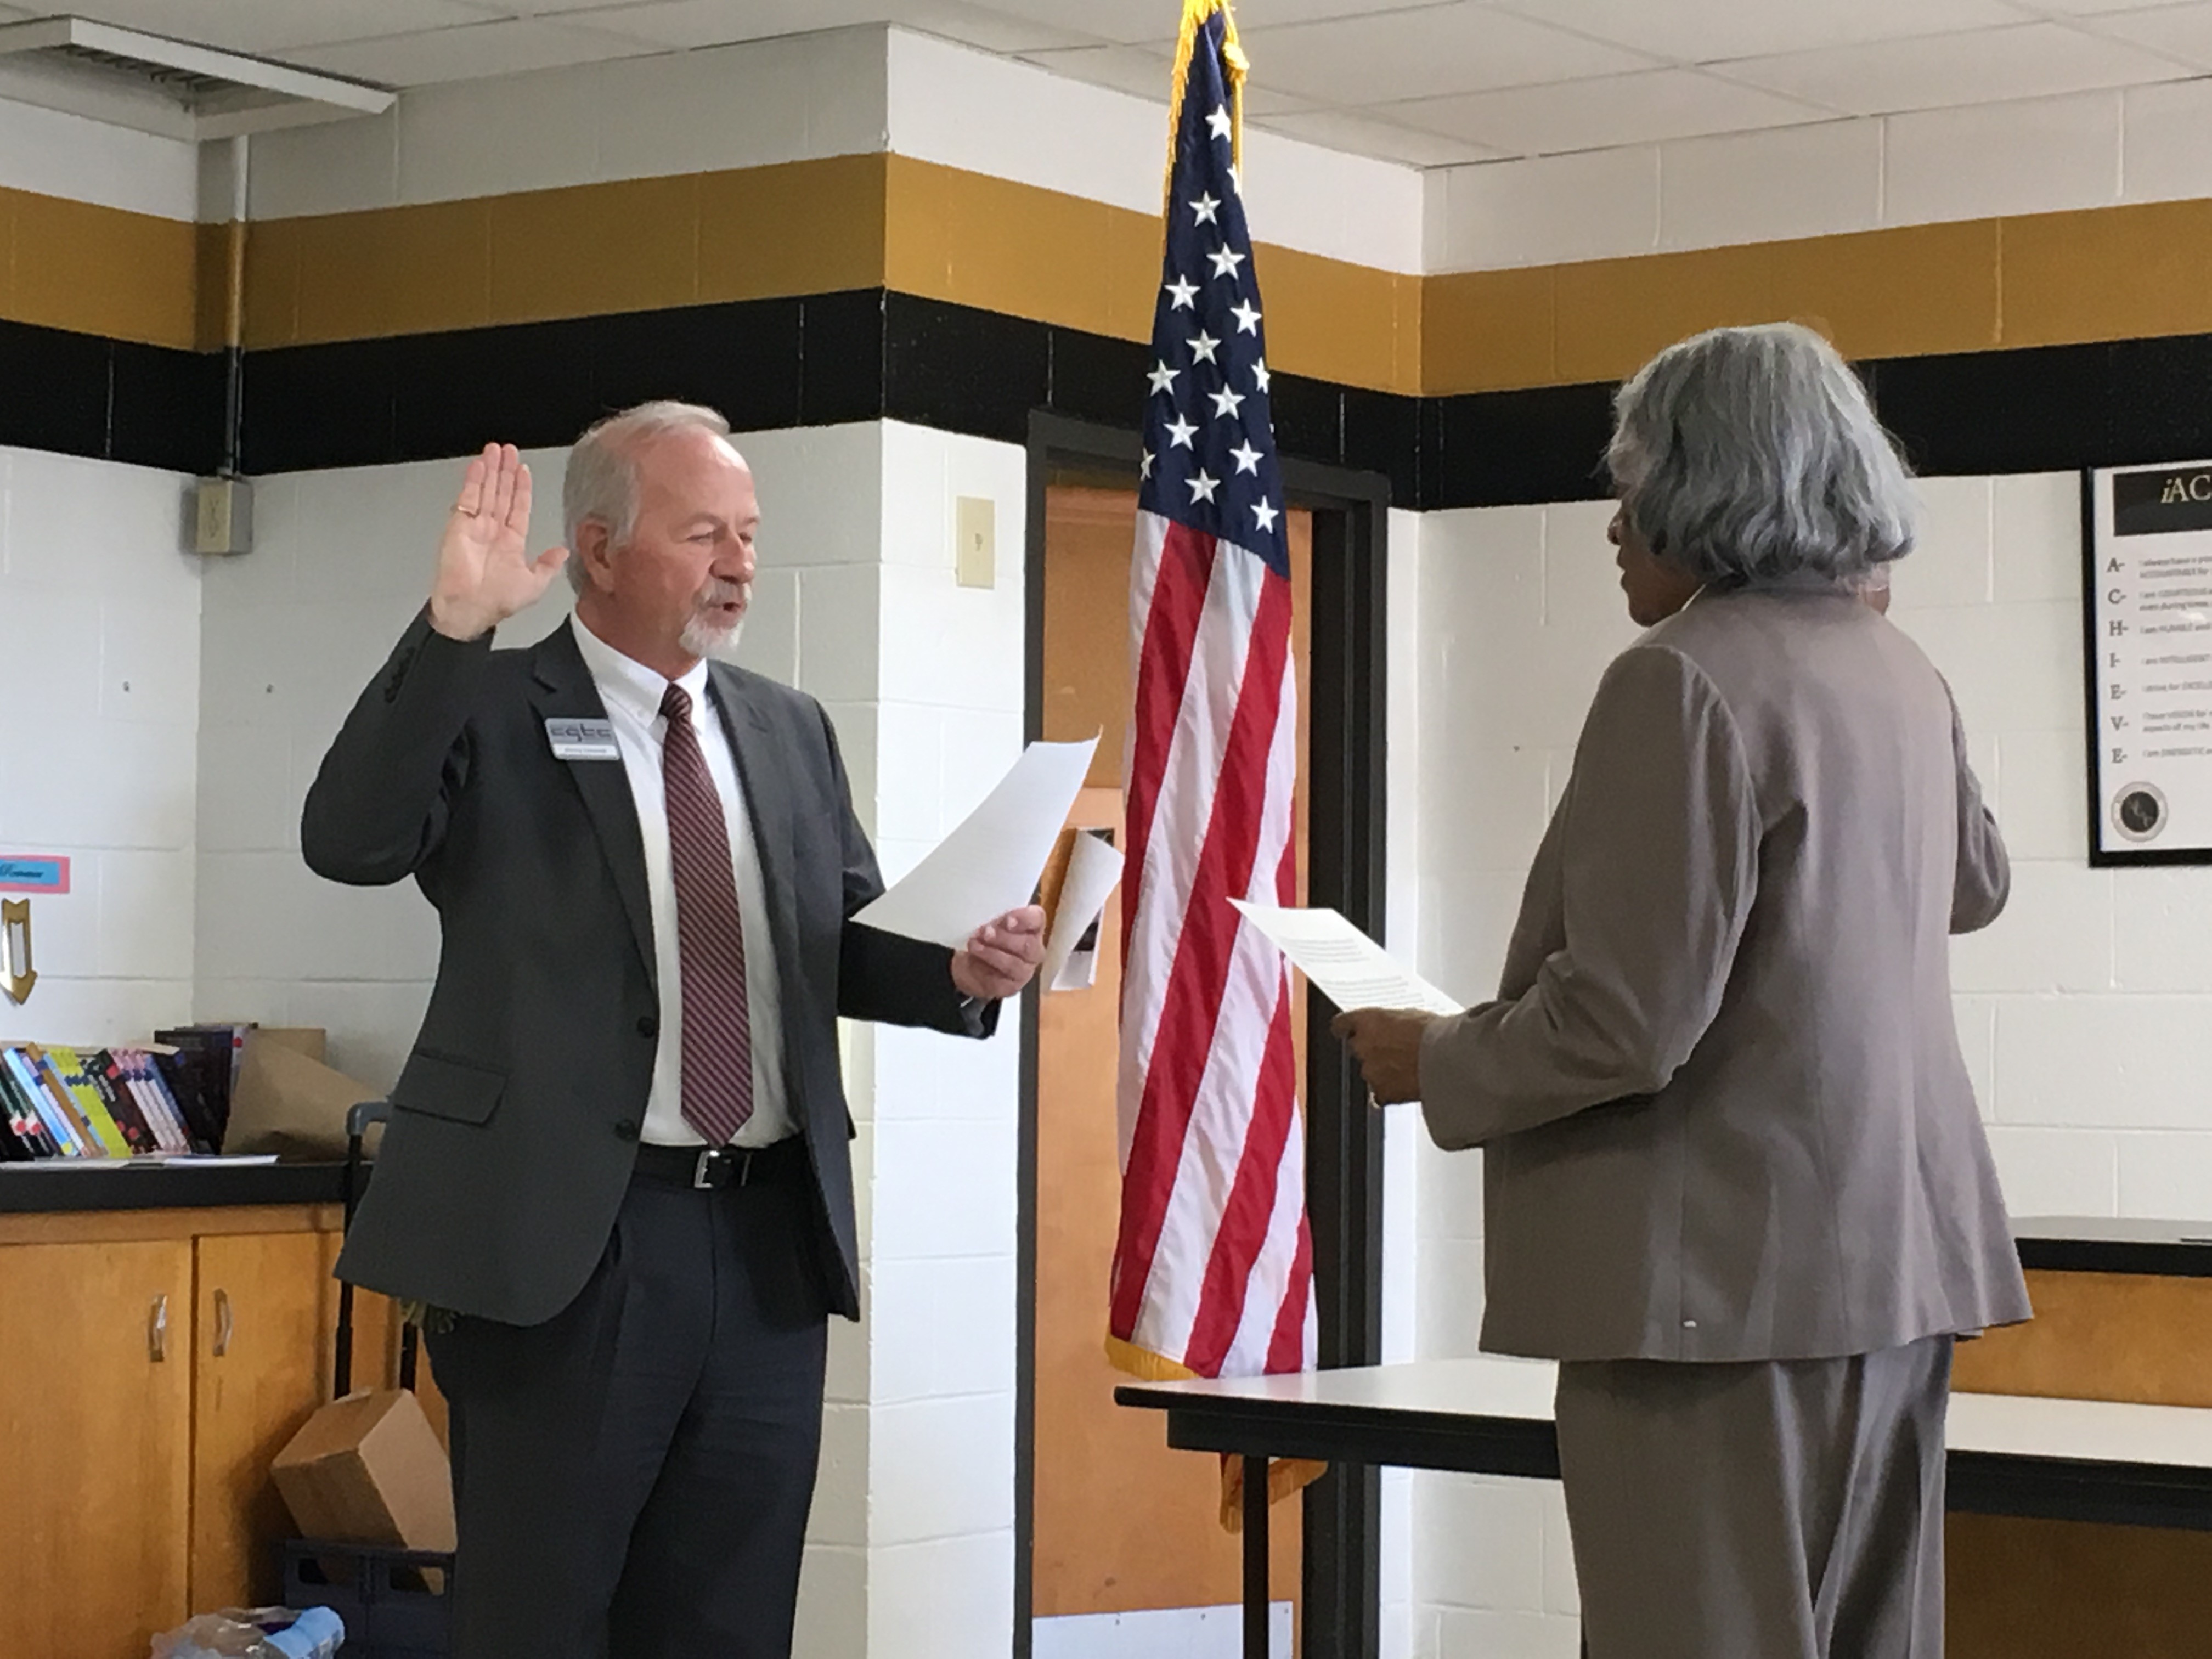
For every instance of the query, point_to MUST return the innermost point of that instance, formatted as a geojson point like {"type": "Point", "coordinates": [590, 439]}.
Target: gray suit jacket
{"type": "Point", "coordinates": [516, 1118]}
{"type": "Point", "coordinates": [1721, 1097]}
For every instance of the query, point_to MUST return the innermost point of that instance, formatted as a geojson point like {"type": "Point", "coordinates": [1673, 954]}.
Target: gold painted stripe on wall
{"type": "Point", "coordinates": [97, 269]}
{"type": "Point", "coordinates": [972, 240]}
{"type": "Point", "coordinates": [1900, 293]}
{"type": "Point", "coordinates": [581, 251]}
{"type": "Point", "coordinates": [870, 220]}
{"type": "Point", "coordinates": [2107, 274]}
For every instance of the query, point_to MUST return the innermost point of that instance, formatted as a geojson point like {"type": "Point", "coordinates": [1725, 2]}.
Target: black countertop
{"type": "Point", "coordinates": [2172, 1250]}
{"type": "Point", "coordinates": [2175, 1250]}
{"type": "Point", "coordinates": [126, 1184]}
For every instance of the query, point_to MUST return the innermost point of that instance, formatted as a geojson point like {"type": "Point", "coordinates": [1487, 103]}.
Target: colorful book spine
{"type": "Point", "coordinates": [50, 1079]}
{"type": "Point", "coordinates": [24, 1123]}
{"type": "Point", "coordinates": [174, 1069]}
{"type": "Point", "coordinates": [106, 1073]}
{"type": "Point", "coordinates": [154, 1101]}
{"type": "Point", "coordinates": [23, 1067]}
{"type": "Point", "coordinates": [202, 1054]}
{"type": "Point", "coordinates": [69, 1068]}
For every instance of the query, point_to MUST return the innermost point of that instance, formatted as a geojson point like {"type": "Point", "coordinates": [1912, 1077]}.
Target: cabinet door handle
{"type": "Point", "coordinates": [157, 1331]}
{"type": "Point", "coordinates": [224, 1323]}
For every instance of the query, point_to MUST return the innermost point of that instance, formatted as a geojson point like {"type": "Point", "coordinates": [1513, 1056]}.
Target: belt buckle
{"type": "Point", "coordinates": [702, 1173]}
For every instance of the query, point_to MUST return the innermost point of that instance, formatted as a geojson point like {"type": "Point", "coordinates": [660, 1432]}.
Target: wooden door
{"type": "Point", "coordinates": [261, 1357]}
{"type": "Point", "coordinates": [1121, 1523]}
{"type": "Point", "coordinates": [96, 1425]}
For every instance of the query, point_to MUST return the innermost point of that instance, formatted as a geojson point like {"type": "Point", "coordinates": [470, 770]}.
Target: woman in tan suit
{"type": "Point", "coordinates": [1736, 1180]}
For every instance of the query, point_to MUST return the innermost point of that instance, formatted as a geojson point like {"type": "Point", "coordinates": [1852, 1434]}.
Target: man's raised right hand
{"type": "Point", "coordinates": [485, 573]}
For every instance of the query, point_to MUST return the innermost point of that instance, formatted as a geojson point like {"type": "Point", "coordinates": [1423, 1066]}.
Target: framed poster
{"type": "Point", "coordinates": [2146, 554]}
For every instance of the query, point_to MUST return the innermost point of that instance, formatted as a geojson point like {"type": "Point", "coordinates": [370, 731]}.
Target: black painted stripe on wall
{"type": "Point", "coordinates": [112, 400]}
{"type": "Point", "coordinates": [872, 354]}
{"type": "Point", "coordinates": [2042, 409]}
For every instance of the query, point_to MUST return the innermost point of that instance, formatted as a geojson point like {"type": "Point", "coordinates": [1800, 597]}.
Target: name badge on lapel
{"type": "Point", "coordinates": [582, 740]}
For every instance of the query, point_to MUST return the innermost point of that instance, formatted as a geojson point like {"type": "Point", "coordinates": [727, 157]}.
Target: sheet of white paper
{"type": "Point", "coordinates": [1346, 966]}
{"type": "Point", "coordinates": [1093, 867]}
{"type": "Point", "coordinates": [991, 863]}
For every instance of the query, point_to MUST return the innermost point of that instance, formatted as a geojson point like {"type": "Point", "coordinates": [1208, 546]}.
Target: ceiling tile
{"type": "Point", "coordinates": [1700, 31]}
{"type": "Point", "coordinates": [1274, 14]}
{"type": "Point", "coordinates": [685, 24]}
{"type": "Point", "coordinates": [1460, 47]}
{"type": "Point", "coordinates": [471, 52]}
{"type": "Point", "coordinates": [2181, 31]}
{"type": "Point", "coordinates": [1614, 109]}
{"type": "Point", "coordinates": [988, 27]}
{"type": "Point", "coordinates": [1986, 66]}
{"type": "Point", "coordinates": [688, 23]}
{"type": "Point", "coordinates": [1384, 141]}
{"type": "Point", "coordinates": [2094, 8]}
{"type": "Point", "coordinates": [272, 25]}
{"type": "Point", "coordinates": [1153, 22]}
{"type": "Point", "coordinates": [1123, 24]}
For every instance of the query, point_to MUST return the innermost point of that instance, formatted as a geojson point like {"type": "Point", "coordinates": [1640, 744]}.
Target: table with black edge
{"type": "Point", "coordinates": [2011, 1454]}
{"type": "Point", "coordinates": [59, 1185]}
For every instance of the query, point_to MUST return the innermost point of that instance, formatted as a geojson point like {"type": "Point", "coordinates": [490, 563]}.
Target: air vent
{"type": "Point", "coordinates": [173, 87]}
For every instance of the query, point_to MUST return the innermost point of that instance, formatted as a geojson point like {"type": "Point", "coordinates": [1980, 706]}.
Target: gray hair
{"type": "Point", "coordinates": [600, 485]}
{"type": "Point", "coordinates": [1748, 455]}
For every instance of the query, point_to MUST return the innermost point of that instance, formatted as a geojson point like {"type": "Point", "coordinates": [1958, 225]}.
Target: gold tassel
{"type": "Point", "coordinates": [1144, 1365]}
{"type": "Point", "coordinates": [1285, 1475]}
{"type": "Point", "coordinates": [1236, 66]}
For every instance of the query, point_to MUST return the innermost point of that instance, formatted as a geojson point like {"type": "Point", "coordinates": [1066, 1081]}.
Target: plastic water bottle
{"type": "Point", "coordinates": [318, 1633]}
{"type": "Point", "coordinates": [256, 1633]}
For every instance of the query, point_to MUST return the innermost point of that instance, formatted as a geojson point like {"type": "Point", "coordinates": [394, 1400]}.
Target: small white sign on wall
{"type": "Point", "coordinates": [2149, 643]}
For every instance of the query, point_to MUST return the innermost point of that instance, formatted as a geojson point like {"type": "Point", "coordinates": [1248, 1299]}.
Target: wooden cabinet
{"type": "Point", "coordinates": [152, 1363]}
{"type": "Point", "coordinates": [96, 1445]}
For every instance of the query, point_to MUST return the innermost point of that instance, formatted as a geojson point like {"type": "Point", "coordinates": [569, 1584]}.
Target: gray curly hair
{"type": "Point", "coordinates": [1751, 455]}
{"type": "Point", "coordinates": [601, 484]}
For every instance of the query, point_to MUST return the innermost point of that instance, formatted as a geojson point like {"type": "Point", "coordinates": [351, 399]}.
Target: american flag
{"type": "Point", "coordinates": [1213, 1267]}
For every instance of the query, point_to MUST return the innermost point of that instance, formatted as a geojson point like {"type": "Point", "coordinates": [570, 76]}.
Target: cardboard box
{"type": "Point", "coordinates": [368, 1469]}
{"type": "Point", "coordinates": [309, 1040]}
{"type": "Point", "coordinates": [288, 1103]}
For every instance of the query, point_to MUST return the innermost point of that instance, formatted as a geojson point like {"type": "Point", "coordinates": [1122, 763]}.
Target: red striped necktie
{"type": "Point", "coordinates": [710, 937]}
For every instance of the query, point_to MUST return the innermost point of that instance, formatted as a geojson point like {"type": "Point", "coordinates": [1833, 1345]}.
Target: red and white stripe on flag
{"type": "Point", "coordinates": [1213, 1266]}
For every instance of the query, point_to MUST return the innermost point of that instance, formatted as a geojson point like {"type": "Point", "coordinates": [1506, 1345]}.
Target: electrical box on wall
{"type": "Point", "coordinates": [221, 516]}
{"type": "Point", "coordinates": [976, 541]}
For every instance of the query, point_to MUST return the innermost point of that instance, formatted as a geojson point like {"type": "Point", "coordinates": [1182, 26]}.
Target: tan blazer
{"type": "Point", "coordinates": [1721, 1097]}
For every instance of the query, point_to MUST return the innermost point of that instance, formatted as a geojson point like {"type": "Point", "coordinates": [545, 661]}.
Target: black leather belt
{"type": "Point", "coordinates": [708, 1167]}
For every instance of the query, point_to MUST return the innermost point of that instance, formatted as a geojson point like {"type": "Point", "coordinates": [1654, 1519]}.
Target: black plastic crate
{"type": "Point", "coordinates": [394, 1601]}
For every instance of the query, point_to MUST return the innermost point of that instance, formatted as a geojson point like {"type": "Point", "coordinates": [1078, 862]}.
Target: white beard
{"type": "Point", "coordinates": [704, 639]}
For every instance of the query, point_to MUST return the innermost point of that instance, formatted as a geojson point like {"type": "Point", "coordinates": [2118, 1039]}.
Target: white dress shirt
{"type": "Point", "coordinates": [632, 693]}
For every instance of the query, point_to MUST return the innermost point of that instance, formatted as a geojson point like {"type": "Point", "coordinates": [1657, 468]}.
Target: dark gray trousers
{"type": "Point", "coordinates": [632, 1478]}
{"type": "Point", "coordinates": [1783, 1510]}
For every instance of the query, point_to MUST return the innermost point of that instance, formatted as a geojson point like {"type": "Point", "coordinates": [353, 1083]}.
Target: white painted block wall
{"type": "Point", "coordinates": [99, 610]}
{"type": "Point", "coordinates": [2150, 143]}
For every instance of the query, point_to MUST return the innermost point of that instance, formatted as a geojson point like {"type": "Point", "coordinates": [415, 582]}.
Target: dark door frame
{"type": "Point", "coordinates": [1344, 847]}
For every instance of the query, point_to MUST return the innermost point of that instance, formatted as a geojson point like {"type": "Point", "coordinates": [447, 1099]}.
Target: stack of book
{"type": "Point", "coordinates": [169, 1099]}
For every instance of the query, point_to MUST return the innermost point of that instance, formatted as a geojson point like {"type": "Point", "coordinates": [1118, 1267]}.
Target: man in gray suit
{"type": "Point", "coordinates": [1734, 1176]}
{"type": "Point", "coordinates": [618, 1166]}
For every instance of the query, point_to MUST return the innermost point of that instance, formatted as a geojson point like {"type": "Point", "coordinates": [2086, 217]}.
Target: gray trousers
{"type": "Point", "coordinates": [1779, 1510]}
